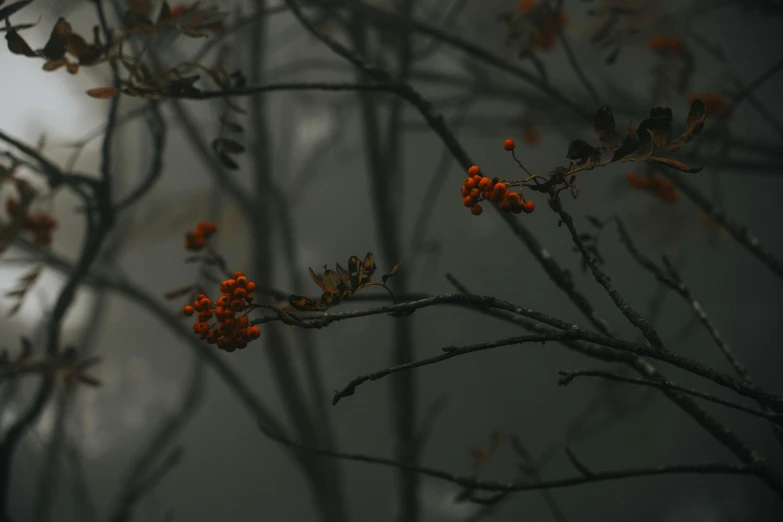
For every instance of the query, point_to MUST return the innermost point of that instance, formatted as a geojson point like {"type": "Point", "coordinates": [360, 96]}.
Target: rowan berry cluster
{"type": "Point", "coordinates": [231, 330]}
{"type": "Point", "coordinates": [196, 239]}
{"type": "Point", "coordinates": [658, 185]}
{"type": "Point", "coordinates": [477, 188]}
{"type": "Point", "coordinates": [40, 226]}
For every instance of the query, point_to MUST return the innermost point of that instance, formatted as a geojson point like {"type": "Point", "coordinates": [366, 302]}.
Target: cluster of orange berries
{"type": "Point", "coordinates": [40, 226]}
{"type": "Point", "coordinates": [658, 185]}
{"type": "Point", "coordinates": [231, 331]}
{"type": "Point", "coordinates": [478, 187]}
{"type": "Point", "coordinates": [663, 44]}
{"type": "Point", "coordinates": [545, 35]}
{"type": "Point", "coordinates": [715, 103]}
{"type": "Point", "coordinates": [195, 240]}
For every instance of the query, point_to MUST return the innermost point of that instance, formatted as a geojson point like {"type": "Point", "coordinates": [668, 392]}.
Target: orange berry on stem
{"type": "Point", "coordinates": [474, 170]}
{"type": "Point", "coordinates": [468, 201]}
{"type": "Point", "coordinates": [528, 207]}
{"type": "Point", "coordinates": [509, 145]}
{"type": "Point", "coordinates": [476, 210]}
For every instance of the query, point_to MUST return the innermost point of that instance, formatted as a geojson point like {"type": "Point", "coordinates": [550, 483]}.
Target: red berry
{"type": "Point", "coordinates": [509, 145]}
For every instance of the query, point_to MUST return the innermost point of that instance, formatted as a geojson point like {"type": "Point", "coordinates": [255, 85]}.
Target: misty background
{"type": "Point", "coordinates": [229, 470]}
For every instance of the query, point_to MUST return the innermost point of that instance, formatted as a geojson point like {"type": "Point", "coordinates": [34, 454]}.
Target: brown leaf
{"type": "Point", "coordinates": [53, 65]}
{"type": "Point", "coordinates": [630, 144]}
{"type": "Point", "coordinates": [385, 277]}
{"type": "Point", "coordinates": [55, 47]}
{"type": "Point", "coordinates": [306, 305]}
{"type": "Point", "coordinates": [103, 93]}
{"type": "Point", "coordinates": [17, 44]}
{"type": "Point", "coordinates": [656, 131]}
{"type": "Point", "coordinates": [676, 165]}
{"type": "Point", "coordinates": [697, 116]}
{"type": "Point", "coordinates": [582, 152]}
{"type": "Point", "coordinates": [605, 128]}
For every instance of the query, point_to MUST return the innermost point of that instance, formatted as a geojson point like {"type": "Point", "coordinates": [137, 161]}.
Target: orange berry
{"type": "Point", "coordinates": [476, 210]}
{"type": "Point", "coordinates": [509, 145]}
{"type": "Point", "coordinates": [254, 332]}
{"type": "Point", "coordinates": [188, 310]}
{"type": "Point", "coordinates": [500, 187]}
{"type": "Point", "coordinates": [249, 297]}
{"type": "Point", "coordinates": [251, 286]}
{"type": "Point", "coordinates": [240, 293]}
{"type": "Point", "coordinates": [528, 207]}
{"type": "Point", "coordinates": [202, 327]}
{"type": "Point", "coordinates": [471, 183]}
{"type": "Point", "coordinates": [465, 191]}
{"type": "Point", "coordinates": [484, 184]}
{"type": "Point", "coordinates": [468, 201]}
{"type": "Point", "coordinates": [205, 315]}
{"type": "Point", "coordinates": [474, 170]}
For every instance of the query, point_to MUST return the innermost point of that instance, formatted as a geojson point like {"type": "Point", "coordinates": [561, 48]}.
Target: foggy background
{"type": "Point", "coordinates": [229, 469]}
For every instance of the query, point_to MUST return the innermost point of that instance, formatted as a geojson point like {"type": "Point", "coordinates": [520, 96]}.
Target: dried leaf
{"type": "Point", "coordinates": [17, 44]}
{"type": "Point", "coordinates": [103, 93]}
{"type": "Point", "coordinates": [676, 165]}
{"type": "Point", "coordinates": [582, 152]}
{"type": "Point", "coordinates": [630, 144]}
{"type": "Point", "coordinates": [385, 277]}
{"type": "Point", "coordinates": [55, 47]}
{"type": "Point", "coordinates": [338, 284]}
{"type": "Point", "coordinates": [605, 128]}
{"type": "Point", "coordinates": [697, 116]}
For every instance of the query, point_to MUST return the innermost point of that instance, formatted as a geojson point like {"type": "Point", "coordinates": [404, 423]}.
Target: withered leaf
{"type": "Point", "coordinates": [605, 127]}
{"type": "Point", "coordinates": [676, 165]}
{"type": "Point", "coordinates": [103, 93]}
{"type": "Point", "coordinates": [630, 143]}
{"type": "Point", "coordinates": [657, 129]}
{"type": "Point", "coordinates": [55, 47]}
{"type": "Point", "coordinates": [697, 116]}
{"type": "Point", "coordinates": [581, 151]}
{"type": "Point", "coordinates": [337, 284]}
{"type": "Point", "coordinates": [304, 304]}
{"type": "Point", "coordinates": [385, 277]}
{"type": "Point", "coordinates": [53, 65]}
{"type": "Point", "coordinates": [17, 44]}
